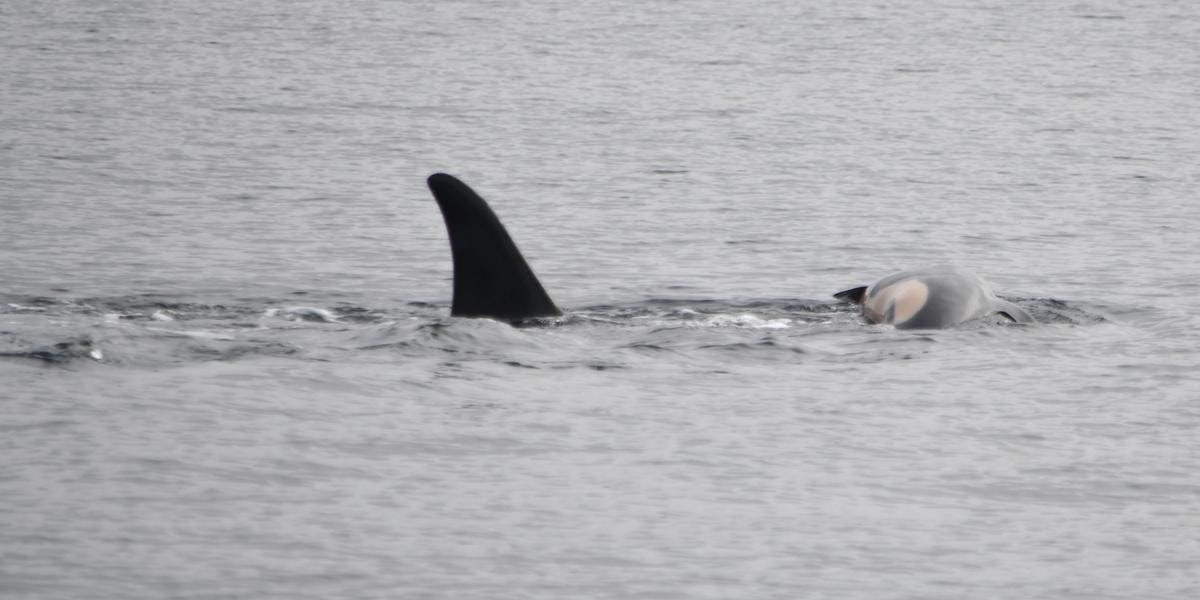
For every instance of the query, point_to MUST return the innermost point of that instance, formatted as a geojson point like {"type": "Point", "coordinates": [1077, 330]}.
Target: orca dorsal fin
{"type": "Point", "coordinates": [854, 295]}
{"type": "Point", "coordinates": [491, 278]}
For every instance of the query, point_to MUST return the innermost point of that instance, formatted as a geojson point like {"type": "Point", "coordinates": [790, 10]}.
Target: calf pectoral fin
{"type": "Point", "coordinates": [854, 295]}
{"type": "Point", "coordinates": [1013, 312]}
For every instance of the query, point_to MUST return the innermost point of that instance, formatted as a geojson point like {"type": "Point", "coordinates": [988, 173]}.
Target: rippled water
{"type": "Point", "coordinates": [227, 367]}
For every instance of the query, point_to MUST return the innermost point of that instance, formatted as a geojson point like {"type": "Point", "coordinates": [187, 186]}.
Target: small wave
{"type": "Point", "coordinates": [309, 314]}
{"type": "Point", "coordinates": [747, 321]}
{"type": "Point", "coordinates": [22, 308]}
{"type": "Point", "coordinates": [1052, 311]}
{"type": "Point", "coordinates": [764, 345]}
{"type": "Point", "coordinates": [61, 352]}
{"type": "Point", "coordinates": [193, 334]}
{"type": "Point", "coordinates": [139, 307]}
{"type": "Point", "coordinates": [238, 350]}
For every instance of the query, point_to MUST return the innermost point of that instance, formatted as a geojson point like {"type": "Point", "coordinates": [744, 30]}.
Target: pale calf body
{"type": "Point", "coordinates": [930, 299]}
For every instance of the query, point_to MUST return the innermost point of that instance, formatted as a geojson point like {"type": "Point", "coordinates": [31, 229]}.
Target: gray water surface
{"type": "Point", "coordinates": [227, 367]}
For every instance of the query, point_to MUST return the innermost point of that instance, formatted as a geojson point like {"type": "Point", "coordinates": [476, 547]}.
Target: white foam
{"type": "Point", "coordinates": [200, 335]}
{"type": "Point", "coordinates": [23, 307]}
{"type": "Point", "coordinates": [746, 320]}
{"type": "Point", "coordinates": [303, 313]}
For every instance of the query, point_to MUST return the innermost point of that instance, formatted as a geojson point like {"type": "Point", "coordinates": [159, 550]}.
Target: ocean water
{"type": "Point", "coordinates": [228, 370]}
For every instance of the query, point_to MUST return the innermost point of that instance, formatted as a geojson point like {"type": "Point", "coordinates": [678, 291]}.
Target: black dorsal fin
{"type": "Point", "coordinates": [491, 278]}
{"type": "Point", "coordinates": [854, 295]}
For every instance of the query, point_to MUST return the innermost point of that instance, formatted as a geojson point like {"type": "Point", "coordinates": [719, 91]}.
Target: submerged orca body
{"type": "Point", "coordinates": [930, 299]}
{"type": "Point", "coordinates": [491, 278]}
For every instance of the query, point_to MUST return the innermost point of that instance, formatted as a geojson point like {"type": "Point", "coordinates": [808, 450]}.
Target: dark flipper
{"type": "Point", "coordinates": [854, 295]}
{"type": "Point", "coordinates": [1014, 313]}
{"type": "Point", "coordinates": [491, 278]}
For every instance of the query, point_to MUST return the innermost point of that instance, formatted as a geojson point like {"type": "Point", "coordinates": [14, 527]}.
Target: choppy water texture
{"type": "Point", "coordinates": [227, 367]}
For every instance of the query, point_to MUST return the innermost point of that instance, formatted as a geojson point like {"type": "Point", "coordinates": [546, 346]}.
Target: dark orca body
{"type": "Point", "coordinates": [491, 278]}
{"type": "Point", "coordinates": [930, 299]}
